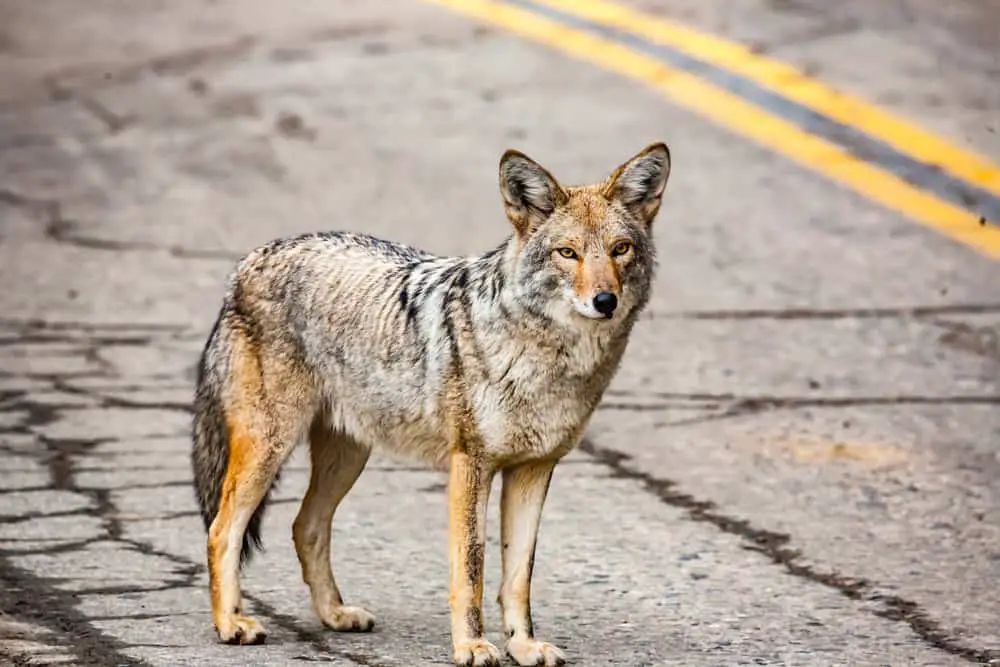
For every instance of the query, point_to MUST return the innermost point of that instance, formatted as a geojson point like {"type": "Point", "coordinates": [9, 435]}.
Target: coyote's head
{"type": "Point", "coordinates": [585, 254]}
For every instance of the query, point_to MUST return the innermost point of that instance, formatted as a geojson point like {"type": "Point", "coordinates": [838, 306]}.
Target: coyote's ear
{"type": "Point", "coordinates": [639, 183]}
{"type": "Point", "coordinates": [530, 193]}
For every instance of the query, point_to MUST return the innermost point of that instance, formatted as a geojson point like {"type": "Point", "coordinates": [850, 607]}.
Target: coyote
{"type": "Point", "coordinates": [476, 365]}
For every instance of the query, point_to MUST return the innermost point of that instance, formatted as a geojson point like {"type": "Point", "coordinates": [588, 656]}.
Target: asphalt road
{"type": "Point", "coordinates": [797, 464]}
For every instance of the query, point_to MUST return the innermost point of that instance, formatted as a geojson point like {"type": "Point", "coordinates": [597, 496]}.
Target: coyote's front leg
{"type": "Point", "coordinates": [524, 491]}
{"type": "Point", "coordinates": [468, 493]}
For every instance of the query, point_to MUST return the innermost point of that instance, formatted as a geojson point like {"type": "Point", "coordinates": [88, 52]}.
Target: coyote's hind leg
{"type": "Point", "coordinates": [337, 461]}
{"type": "Point", "coordinates": [263, 423]}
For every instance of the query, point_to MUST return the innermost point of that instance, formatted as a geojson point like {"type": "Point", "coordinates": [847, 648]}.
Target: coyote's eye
{"type": "Point", "coordinates": [621, 248]}
{"type": "Point", "coordinates": [568, 253]}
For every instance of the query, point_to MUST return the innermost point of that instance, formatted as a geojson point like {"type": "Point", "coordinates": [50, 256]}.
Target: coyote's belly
{"type": "Point", "coordinates": [395, 408]}
{"type": "Point", "coordinates": [527, 412]}
{"type": "Point", "coordinates": [548, 426]}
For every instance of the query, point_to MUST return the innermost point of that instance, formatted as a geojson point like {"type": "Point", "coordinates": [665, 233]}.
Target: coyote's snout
{"type": "Point", "coordinates": [479, 365]}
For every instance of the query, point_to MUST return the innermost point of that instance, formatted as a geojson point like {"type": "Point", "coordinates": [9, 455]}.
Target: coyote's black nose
{"type": "Point", "coordinates": [605, 303]}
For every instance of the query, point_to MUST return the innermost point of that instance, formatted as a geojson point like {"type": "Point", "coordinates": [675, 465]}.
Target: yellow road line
{"type": "Point", "coordinates": [738, 115]}
{"type": "Point", "coordinates": [792, 84]}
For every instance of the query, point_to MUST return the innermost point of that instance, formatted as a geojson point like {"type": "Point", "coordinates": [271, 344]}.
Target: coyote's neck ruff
{"type": "Point", "coordinates": [477, 364]}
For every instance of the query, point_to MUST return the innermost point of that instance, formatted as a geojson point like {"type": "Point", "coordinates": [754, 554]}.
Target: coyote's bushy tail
{"type": "Point", "coordinates": [210, 446]}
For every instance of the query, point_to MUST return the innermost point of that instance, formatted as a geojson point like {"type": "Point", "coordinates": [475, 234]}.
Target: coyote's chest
{"type": "Point", "coordinates": [536, 402]}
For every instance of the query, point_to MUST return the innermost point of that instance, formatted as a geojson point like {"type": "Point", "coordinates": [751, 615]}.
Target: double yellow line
{"type": "Point", "coordinates": [891, 162]}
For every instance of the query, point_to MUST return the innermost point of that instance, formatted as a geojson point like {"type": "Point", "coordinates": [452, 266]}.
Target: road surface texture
{"type": "Point", "coordinates": [797, 464]}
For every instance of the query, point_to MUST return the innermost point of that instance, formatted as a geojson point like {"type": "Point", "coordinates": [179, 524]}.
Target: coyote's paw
{"type": "Point", "coordinates": [531, 652]}
{"type": "Point", "coordinates": [240, 630]}
{"type": "Point", "coordinates": [349, 619]}
{"type": "Point", "coordinates": [477, 653]}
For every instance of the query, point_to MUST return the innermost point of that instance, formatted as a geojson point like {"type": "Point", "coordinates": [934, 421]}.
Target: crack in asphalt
{"type": "Point", "coordinates": [831, 313]}
{"type": "Point", "coordinates": [718, 406]}
{"type": "Point", "coordinates": [63, 230]}
{"type": "Point", "coordinates": [776, 547]}
{"type": "Point", "coordinates": [107, 401]}
{"type": "Point", "coordinates": [70, 83]}
{"type": "Point", "coordinates": [79, 83]}
{"type": "Point", "coordinates": [78, 330]}
{"type": "Point", "coordinates": [982, 340]}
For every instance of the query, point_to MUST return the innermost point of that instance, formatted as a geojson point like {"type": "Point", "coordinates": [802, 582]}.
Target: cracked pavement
{"type": "Point", "coordinates": [797, 464]}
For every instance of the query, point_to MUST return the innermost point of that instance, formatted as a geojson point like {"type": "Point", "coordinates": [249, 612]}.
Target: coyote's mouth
{"type": "Point", "coordinates": [587, 310]}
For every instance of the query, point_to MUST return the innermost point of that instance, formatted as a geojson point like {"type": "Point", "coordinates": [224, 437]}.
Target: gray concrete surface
{"type": "Point", "coordinates": [813, 482]}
